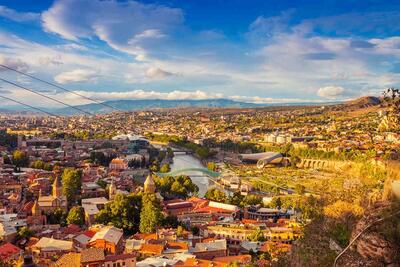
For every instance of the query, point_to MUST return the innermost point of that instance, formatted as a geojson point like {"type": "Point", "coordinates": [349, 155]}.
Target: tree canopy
{"type": "Point", "coordinates": [76, 216]}
{"type": "Point", "coordinates": [216, 195]}
{"type": "Point", "coordinates": [20, 159]}
{"type": "Point", "coordinates": [123, 212]}
{"type": "Point", "coordinates": [72, 182]}
{"type": "Point", "coordinates": [178, 186]}
{"type": "Point", "coordinates": [150, 215]}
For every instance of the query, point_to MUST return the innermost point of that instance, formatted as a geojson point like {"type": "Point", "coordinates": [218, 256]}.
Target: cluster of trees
{"type": "Point", "coordinates": [123, 212]}
{"type": "Point", "coordinates": [8, 140]}
{"type": "Point", "coordinates": [229, 145]}
{"type": "Point", "coordinates": [391, 99]}
{"type": "Point", "coordinates": [215, 194]}
{"type": "Point", "coordinates": [82, 135]}
{"type": "Point", "coordinates": [310, 206]}
{"type": "Point", "coordinates": [39, 164]}
{"type": "Point", "coordinates": [176, 187]}
{"type": "Point", "coordinates": [58, 216]}
{"type": "Point", "coordinates": [137, 163]}
{"type": "Point", "coordinates": [132, 213]}
{"type": "Point", "coordinates": [236, 198]}
{"type": "Point", "coordinates": [202, 152]}
{"type": "Point", "coordinates": [165, 168]}
{"type": "Point", "coordinates": [157, 156]}
{"type": "Point", "coordinates": [72, 182]}
{"type": "Point", "coordinates": [211, 166]}
{"type": "Point", "coordinates": [20, 159]}
{"type": "Point", "coordinates": [100, 158]}
{"type": "Point", "coordinates": [150, 215]}
{"type": "Point", "coordinates": [76, 215]}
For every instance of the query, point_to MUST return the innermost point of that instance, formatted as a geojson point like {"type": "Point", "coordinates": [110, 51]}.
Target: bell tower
{"type": "Point", "coordinates": [57, 187]}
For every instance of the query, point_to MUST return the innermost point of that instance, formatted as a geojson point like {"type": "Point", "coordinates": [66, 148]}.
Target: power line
{"type": "Point", "coordinates": [59, 87]}
{"type": "Point", "coordinates": [32, 107]}
{"type": "Point", "coordinates": [45, 96]}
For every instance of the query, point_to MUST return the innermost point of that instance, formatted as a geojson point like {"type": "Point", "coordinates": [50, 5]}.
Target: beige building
{"type": "Point", "coordinates": [51, 202]}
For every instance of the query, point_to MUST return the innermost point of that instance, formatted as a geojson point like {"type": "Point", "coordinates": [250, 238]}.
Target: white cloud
{"type": "Point", "coordinates": [157, 73]}
{"type": "Point", "coordinates": [14, 63]}
{"type": "Point", "coordinates": [330, 92]}
{"type": "Point", "coordinates": [123, 25]}
{"type": "Point", "coordinates": [11, 14]}
{"type": "Point", "coordinates": [78, 75]}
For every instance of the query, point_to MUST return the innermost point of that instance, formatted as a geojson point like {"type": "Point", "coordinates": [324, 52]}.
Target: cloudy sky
{"type": "Point", "coordinates": [260, 51]}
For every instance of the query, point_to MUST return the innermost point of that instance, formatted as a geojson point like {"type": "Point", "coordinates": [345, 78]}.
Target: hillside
{"type": "Point", "coordinates": [142, 104]}
{"type": "Point", "coordinates": [363, 102]}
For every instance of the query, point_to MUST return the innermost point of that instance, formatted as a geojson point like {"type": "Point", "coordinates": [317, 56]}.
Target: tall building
{"type": "Point", "coordinates": [112, 190]}
{"type": "Point", "coordinates": [149, 185]}
{"type": "Point", "coordinates": [53, 201]}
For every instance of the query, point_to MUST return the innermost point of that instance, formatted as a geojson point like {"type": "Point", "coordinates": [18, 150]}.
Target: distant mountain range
{"type": "Point", "coordinates": [147, 104]}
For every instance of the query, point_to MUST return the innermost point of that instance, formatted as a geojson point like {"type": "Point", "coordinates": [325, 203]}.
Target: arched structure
{"type": "Point", "coordinates": [187, 170]}
{"type": "Point", "coordinates": [318, 164]}
{"type": "Point", "coordinates": [263, 159]}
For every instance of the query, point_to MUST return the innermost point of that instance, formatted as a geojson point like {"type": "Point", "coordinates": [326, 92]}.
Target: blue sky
{"type": "Point", "coordinates": [254, 51]}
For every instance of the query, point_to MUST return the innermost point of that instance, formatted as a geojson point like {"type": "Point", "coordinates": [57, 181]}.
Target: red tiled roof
{"type": "Point", "coordinates": [72, 229]}
{"type": "Point", "coordinates": [145, 236]}
{"type": "Point", "coordinates": [240, 258]}
{"type": "Point", "coordinates": [89, 233]}
{"type": "Point", "coordinates": [177, 245]}
{"type": "Point", "coordinates": [209, 209]}
{"type": "Point", "coordinates": [7, 250]}
{"type": "Point", "coordinates": [152, 249]}
{"type": "Point", "coordinates": [119, 257]}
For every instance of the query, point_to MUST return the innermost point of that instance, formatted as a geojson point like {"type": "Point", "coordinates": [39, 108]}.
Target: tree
{"type": "Point", "coordinates": [24, 232]}
{"type": "Point", "coordinates": [58, 216]}
{"type": "Point", "coordinates": [72, 182]}
{"type": "Point", "coordinates": [155, 166]}
{"type": "Point", "coordinates": [76, 216]}
{"type": "Point", "coordinates": [165, 168]}
{"type": "Point", "coordinates": [310, 208]}
{"type": "Point", "coordinates": [6, 160]}
{"type": "Point", "coordinates": [211, 166]}
{"type": "Point", "coordinates": [171, 221]}
{"type": "Point", "coordinates": [300, 189]}
{"type": "Point", "coordinates": [216, 195]}
{"type": "Point", "coordinates": [150, 215]}
{"type": "Point", "coordinates": [276, 202]}
{"type": "Point", "coordinates": [180, 231]}
{"type": "Point", "coordinates": [176, 187]}
{"type": "Point", "coordinates": [257, 235]}
{"type": "Point", "coordinates": [102, 184]}
{"type": "Point", "coordinates": [8, 140]}
{"type": "Point", "coordinates": [252, 200]}
{"type": "Point", "coordinates": [391, 98]}
{"type": "Point", "coordinates": [20, 159]}
{"type": "Point", "coordinates": [170, 153]}
{"type": "Point", "coordinates": [123, 212]}
{"type": "Point", "coordinates": [236, 199]}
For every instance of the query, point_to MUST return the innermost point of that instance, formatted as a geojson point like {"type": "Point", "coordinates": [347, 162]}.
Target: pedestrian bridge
{"type": "Point", "coordinates": [187, 171]}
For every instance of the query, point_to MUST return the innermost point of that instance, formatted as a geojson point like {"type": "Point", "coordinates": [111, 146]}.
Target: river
{"type": "Point", "coordinates": [184, 161]}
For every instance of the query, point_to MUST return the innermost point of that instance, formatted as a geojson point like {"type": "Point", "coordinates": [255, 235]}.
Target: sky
{"type": "Point", "coordinates": [261, 51]}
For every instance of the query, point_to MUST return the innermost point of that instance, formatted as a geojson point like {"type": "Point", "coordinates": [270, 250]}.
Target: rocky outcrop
{"type": "Point", "coordinates": [372, 245]}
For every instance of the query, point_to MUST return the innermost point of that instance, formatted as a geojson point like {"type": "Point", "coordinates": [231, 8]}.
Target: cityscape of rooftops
{"type": "Point", "coordinates": [213, 133]}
